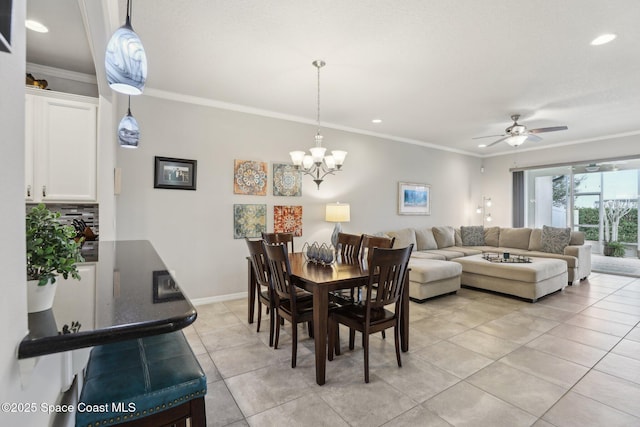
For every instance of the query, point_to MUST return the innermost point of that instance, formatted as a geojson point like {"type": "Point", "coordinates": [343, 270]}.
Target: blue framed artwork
{"type": "Point", "coordinates": [414, 199]}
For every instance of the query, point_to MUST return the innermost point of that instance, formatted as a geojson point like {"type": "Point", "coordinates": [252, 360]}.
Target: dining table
{"type": "Point", "coordinates": [320, 280]}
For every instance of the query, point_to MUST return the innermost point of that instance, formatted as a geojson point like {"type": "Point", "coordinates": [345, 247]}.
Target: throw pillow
{"type": "Point", "coordinates": [555, 239]}
{"type": "Point", "coordinates": [425, 239]}
{"type": "Point", "coordinates": [535, 241]}
{"type": "Point", "coordinates": [404, 238]}
{"type": "Point", "coordinates": [472, 235]}
{"type": "Point", "coordinates": [444, 236]}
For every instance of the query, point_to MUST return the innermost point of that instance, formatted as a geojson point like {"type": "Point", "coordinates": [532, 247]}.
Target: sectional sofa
{"type": "Point", "coordinates": [433, 271]}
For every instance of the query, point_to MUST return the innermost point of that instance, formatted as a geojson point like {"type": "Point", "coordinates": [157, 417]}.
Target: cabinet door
{"type": "Point", "coordinates": [29, 138]}
{"type": "Point", "coordinates": [67, 150]}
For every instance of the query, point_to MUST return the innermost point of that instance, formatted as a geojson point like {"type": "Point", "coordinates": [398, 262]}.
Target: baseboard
{"type": "Point", "coordinates": [220, 298]}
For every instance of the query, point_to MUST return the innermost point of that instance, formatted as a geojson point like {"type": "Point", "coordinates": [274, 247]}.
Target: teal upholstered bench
{"type": "Point", "coordinates": [153, 381]}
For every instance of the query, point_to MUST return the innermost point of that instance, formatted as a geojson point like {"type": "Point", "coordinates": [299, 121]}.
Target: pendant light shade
{"type": "Point", "coordinates": [125, 60]}
{"type": "Point", "coordinates": [128, 130]}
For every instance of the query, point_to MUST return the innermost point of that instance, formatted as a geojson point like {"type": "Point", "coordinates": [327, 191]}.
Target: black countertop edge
{"type": "Point", "coordinates": [60, 343]}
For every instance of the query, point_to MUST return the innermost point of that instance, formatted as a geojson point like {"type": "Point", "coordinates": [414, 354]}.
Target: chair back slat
{"type": "Point", "coordinates": [258, 261]}
{"type": "Point", "coordinates": [278, 262]}
{"type": "Point", "coordinates": [387, 272]}
{"type": "Point", "coordinates": [273, 238]}
{"type": "Point", "coordinates": [349, 245]}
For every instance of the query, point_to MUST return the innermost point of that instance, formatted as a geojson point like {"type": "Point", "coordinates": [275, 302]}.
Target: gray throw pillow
{"type": "Point", "coordinates": [555, 239]}
{"type": "Point", "coordinates": [472, 235]}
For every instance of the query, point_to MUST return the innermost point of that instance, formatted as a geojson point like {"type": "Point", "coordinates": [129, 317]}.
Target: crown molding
{"type": "Point", "coordinates": [63, 74]}
{"type": "Point", "coordinates": [189, 99]}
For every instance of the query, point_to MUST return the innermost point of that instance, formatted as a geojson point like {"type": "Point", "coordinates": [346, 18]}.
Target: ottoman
{"type": "Point", "coordinates": [429, 278]}
{"type": "Point", "coordinates": [525, 280]}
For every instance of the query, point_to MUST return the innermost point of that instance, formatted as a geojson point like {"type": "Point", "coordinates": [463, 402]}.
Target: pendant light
{"type": "Point", "coordinates": [128, 130]}
{"type": "Point", "coordinates": [125, 60]}
{"type": "Point", "coordinates": [317, 164]}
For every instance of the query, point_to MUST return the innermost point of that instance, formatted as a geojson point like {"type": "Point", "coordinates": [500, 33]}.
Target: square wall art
{"type": "Point", "coordinates": [249, 220]}
{"type": "Point", "coordinates": [287, 180]}
{"type": "Point", "coordinates": [250, 177]}
{"type": "Point", "coordinates": [287, 219]}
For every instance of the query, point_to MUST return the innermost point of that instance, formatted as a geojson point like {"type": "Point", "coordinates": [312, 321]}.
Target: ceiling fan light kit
{"type": "Point", "coordinates": [516, 134]}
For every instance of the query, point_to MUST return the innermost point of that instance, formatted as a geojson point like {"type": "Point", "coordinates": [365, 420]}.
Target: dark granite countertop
{"type": "Point", "coordinates": [134, 296]}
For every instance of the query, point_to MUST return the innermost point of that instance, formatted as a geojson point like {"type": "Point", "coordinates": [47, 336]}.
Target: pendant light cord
{"type": "Point", "coordinates": [318, 115]}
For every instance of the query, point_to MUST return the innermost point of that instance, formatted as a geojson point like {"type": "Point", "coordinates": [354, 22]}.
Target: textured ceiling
{"type": "Point", "coordinates": [436, 72]}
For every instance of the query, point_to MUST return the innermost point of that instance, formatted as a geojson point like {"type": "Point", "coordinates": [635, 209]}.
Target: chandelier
{"type": "Point", "coordinates": [317, 164]}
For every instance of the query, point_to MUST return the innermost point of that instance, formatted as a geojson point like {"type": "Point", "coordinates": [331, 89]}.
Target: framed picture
{"type": "Point", "coordinates": [249, 220]}
{"type": "Point", "coordinates": [165, 288]}
{"type": "Point", "coordinates": [414, 199]}
{"type": "Point", "coordinates": [176, 174]}
{"type": "Point", "coordinates": [250, 177]}
{"type": "Point", "coordinates": [6, 11]}
{"type": "Point", "coordinates": [287, 219]}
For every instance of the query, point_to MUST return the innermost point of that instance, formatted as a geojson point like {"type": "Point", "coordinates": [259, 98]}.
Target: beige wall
{"type": "Point", "coordinates": [497, 183]}
{"type": "Point", "coordinates": [193, 231]}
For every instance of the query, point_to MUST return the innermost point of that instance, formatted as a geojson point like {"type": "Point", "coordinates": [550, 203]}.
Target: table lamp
{"type": "Point", "coordinates": [338, 213]}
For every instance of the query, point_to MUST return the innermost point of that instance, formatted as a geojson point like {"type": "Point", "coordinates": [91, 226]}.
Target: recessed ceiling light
{"type": "Point", "coordinates": [603, 39]}
{"type": "Point", "coordinates": [376, 121]}
{"type": "Point", "coordinates": [482, 145]}
{"type": "Point", "coordinates": [36, 26]}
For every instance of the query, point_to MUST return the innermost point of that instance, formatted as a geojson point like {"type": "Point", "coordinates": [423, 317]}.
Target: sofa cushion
{"type": "Point", "coordinates": [517, 238]}
{"type": "Point", "coordinates": [404, 238]}
{"type": "Point", "coordinates": [444, 236]}
{"type": "Point", "coordinates": [427, 271]}
{"type": "Point", "coordinates": [535, 241]}
{"type": "Point", "coordinates": [491, 236]}
{"type": "Point", "coordinates": [430, 254]}
{"type": "Point", "coordinates": [425, 239]}
{"type": "Point", "coordinates": [472, 235]}
{"type": "Point", "coordinates": [457, 237]}
{"type": "Point", "coordinates": [577, 238]}
{"type": "Point", "coordinates": [555, 239]}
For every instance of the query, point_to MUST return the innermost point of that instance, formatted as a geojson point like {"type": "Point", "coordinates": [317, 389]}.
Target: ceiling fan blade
{"type": "Point", "coordinates": [549, 129]}
{"type": "Point", "coordinates": [486, 136]}
{"type": "Point", "coordinates": [533, 138]}
{"type": "Point", "coordinates": [497, 142]}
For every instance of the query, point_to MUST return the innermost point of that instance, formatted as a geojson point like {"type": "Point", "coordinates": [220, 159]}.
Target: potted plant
{"type": "Point", "coordinates": [615, 249]}
{"type": "Point", "coordinates": [51, 251]}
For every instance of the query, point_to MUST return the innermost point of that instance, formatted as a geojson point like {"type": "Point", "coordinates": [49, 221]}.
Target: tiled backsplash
{"type": "Point", "coordinates": [69, 211]}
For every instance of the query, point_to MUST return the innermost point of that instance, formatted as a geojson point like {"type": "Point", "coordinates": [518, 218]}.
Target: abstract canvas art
{"type": "Point", "coordinates": [287, 180]}
{"type": "Point", "coordinates": [287, 219]}
{"type": "Point", "coordinates": [249, 220]}
{"type": "Point", "coordinates": [250, 177]}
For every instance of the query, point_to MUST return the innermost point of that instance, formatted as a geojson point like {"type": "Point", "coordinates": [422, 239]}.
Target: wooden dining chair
{"type": "Point", "coordinates": [369, 242]}
{"type": "Point", "coordinates": [291, 303]}
{"type": "Point", "coordinates": [349, 247]}
{"type": "Point", "coordinates": [349, 250]}
{"type": "Point", "coordinates": [387, 271]}
{"type": "Point", "coordinates": [273, 238]}
{"type": "Point", "coordinates": [264, 291]}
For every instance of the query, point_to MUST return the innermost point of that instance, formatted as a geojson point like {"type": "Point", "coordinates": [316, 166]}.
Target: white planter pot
{"type": "Point", "coordinates": [40, 298]}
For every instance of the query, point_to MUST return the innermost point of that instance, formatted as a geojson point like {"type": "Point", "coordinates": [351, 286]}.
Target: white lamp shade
{"type": "Point", "coordinates": [296, 157]}
{"type": "Point", "coordinates": [317, 153]}
{"type": "Point", "coordinates": [330, 162]}
{"type": "Point", "coordinates": [307, 162]}
{"type": "Point", "coordinates": [339, 156]}
{"type": "Point", "coordinates": [338, 212]}
{"type": "Point", "coordinates": [126, 62]}
{"type": "Point", "coordinates": [128, 131]}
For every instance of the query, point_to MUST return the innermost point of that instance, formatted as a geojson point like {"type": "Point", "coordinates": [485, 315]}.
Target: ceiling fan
{"type": "Point", "coordinates": [517, 134]}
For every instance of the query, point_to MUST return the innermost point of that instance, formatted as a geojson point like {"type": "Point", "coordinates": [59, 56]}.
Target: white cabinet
{"type": "Point", "coordinates": [60, 147]}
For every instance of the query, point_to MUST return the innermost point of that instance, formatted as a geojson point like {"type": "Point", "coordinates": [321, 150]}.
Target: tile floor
{"type": "Point", "coordinates": [475, 359]}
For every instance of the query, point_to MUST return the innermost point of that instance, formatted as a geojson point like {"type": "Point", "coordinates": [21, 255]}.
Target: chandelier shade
{"type": "Point", "coordinates": [317, 164]}
{"type": "Point", "coordinates": [125, 60]}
